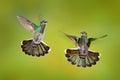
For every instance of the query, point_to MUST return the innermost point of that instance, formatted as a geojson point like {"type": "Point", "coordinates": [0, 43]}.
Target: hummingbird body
{"type": "Point", "coordinates": [35, 46]}
{"type": "Point", "coordinates": [81, 55]}
{"type": "Point", "coordinates": [82, 46]}
{"type": "Point", "coordinates": [39, 33]}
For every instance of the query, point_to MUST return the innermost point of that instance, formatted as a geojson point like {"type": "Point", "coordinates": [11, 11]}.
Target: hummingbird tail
{"type": "Point", "coordinates": [81, 60]}
{"type": "Point", "coordinates": [92, 58]}
{"type": "Point", "coordinates": [30, 48]}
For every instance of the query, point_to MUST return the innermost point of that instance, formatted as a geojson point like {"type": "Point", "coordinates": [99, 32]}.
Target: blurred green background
{"type": "Point", "coordinates": [96, 17]}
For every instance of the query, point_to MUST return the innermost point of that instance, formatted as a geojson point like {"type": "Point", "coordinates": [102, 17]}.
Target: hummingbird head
{"type": "Point", "coordinates": [43, 23]}
{"type": "Point", "coordinates": [83, 34]}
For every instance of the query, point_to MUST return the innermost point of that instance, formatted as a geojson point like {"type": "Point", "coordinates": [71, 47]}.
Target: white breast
{"type": "Point", "coordinates": [37, 38]}
{"type": "Point", "coordinates": [83, 50]}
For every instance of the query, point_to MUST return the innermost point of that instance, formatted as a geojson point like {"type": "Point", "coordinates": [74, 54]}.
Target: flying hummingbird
{"type": "Point", "coordinates": [34, 46]}
{"type": "Point", "coordinates": [81, 55]}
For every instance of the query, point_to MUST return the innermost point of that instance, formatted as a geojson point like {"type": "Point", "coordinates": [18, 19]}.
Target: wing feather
{"type": "Point", "coordinates": [73, 38]}
{"type": "Point", "coordinates": [93, 39]}
{"type": "Point", "coordinates": [26, 23]}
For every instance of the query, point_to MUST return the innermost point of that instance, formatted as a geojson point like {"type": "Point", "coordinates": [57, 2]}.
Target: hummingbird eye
{"type": "Point", "coordinates": [43, 21]}
{"type": "Point", "coordinates": [83, 33]}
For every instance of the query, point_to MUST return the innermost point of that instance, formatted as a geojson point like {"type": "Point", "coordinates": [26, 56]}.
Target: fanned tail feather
{"type": "Point", "coordinates": [30, 48]}
{"type": "Point", "coordinates": [92, 57]}
{"type": "Point", "coordinates": [76, 59]}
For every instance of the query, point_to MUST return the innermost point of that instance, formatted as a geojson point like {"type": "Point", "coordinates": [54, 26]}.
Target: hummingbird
{"type": "Point", "coordinates": [81, 56]}
{"type": "Point", "coordinates": [34, 46]}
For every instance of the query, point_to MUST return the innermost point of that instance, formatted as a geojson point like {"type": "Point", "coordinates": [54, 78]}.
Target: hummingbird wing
{"type": "Point", "coordinates": [73, 38]}
{"type": "Point", "coordinates": [93, 39]}
{"type": "Point", "coordinates": [27, 24]}
{"type": "Point", "coordinates": [90, 40]}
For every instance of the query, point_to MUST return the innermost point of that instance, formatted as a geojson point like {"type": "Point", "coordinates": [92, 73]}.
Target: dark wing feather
{"type": "Point", "coordinates": [90, 40]}
{"type": "Point", "coordinates": [93, 39]}
{"type": "Point", "coordinates": [73, 38]}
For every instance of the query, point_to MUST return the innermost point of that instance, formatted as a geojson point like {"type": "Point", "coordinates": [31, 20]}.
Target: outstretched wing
{"type": "Point", "coordinates": [27, 24]}
{"type": "Point", "coordinates": [73, 38]}
{"type": "Point", "coordinates": [93, 39]}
